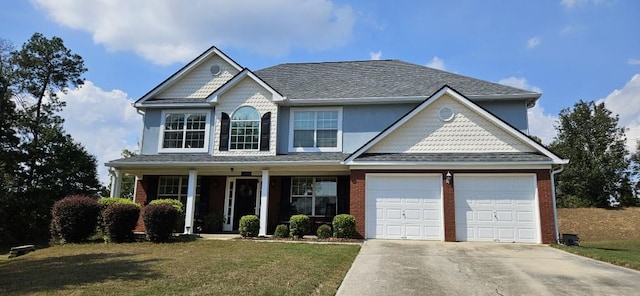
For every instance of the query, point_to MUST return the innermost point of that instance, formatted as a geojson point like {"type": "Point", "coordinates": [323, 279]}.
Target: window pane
{"type": "Point", "coordinates": [245, 129]}
{"type": "Point", "coordinates": [326, 187]}
{"type": "Point", "coordinates": [194, 140]}
{"type": "Point", "coordinates": [327, 119]}
{"type": "Point", "coordinates": [246, 113]}
{"type": "Point", "coordinates": [301, 186]}
{"type": "Point", "coordinates": [301, 205]}
{"type": "Point", "coordinates": [196, 121]}
{"type": "Point", "coordinates": [326, 205]}
{"type": "Point", "coordinates": [327, 138]}
{"type": "Point", "coordinates": [303, 138]}
{"type": "Point", "coordinates": [303, 120]}
{"type": "Point", "coordinates": [174, 122]}
{"type": "Point", "coordinates": [172, 140]}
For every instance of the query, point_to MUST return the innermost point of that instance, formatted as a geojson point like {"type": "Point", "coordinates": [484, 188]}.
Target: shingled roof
{"type": "Point", "coordinates": [377, 79]}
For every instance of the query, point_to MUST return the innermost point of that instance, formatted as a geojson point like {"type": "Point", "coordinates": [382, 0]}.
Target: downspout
{"type": "Point", "coordinates": [553, 199]}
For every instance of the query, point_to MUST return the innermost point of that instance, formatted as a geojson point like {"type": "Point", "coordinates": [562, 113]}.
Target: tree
{"type": "Point", "coordinates": [598, 174]}
{"type": "Point", "coordinates": [44, 67]}
{"type": "Point", "coordinates": [39, 162]}
{"type": "Point", "coordinates": [635, 172]}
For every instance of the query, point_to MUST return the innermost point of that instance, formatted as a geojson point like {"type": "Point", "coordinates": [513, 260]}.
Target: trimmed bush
{"type": "Point", "coordinates": [249, 226]}
{"type": "Point", "coordinates": [324, 231]}
{"type": "Point", "coordinates": [299, 225]}
{"type": "Point", "coordinates": [119, 221]}
{"type": "Point", "coordinates": [174, 202]}
{"type": "Point", "coordinates": [344, 226]}
{"type": "Point", "coordinates": [159, 220]}
{"type": "Point", "coordinates": [74, 218]}
{"type": "Point", "coordinates": [106, 202]}
{"type": "Point", "coordinates": [282, 231]}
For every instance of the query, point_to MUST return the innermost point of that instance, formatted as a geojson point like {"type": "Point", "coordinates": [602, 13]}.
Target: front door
{"type": "Point", "coordinates": [245, 199]}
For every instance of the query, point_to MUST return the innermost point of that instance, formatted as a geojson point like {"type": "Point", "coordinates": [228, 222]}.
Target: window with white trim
{"type": "Point", "coordinates": [245, 129]}
{"type": "Point", "coordinates": [184, 131]}
{"type": "Point", "coordinates": [314, 196]}
{"type": "Point", "coordinates": [175, 187]}
{"type": "Point", "coordinates": [316, 130]}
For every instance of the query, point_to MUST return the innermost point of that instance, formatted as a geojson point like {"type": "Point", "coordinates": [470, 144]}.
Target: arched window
{"type": "Point", "coordinates": [245, 129]}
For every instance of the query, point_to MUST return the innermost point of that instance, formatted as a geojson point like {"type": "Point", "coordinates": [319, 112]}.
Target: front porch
{"type": "Point", "coordinates": [214, 203]}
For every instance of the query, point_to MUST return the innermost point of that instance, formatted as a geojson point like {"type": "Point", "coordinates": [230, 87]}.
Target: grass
{"type": "Point", "coordinates": [623, 253]}
{"type": "Point", "coordinates": [201, 267]}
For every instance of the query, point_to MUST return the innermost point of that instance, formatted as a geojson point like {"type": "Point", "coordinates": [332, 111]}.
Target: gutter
{"type": "Point", "coordinates": [553, 199]}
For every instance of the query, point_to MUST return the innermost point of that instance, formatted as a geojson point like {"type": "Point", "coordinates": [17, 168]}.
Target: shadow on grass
{"type": "Point", "coordinates": [53, 273]}
{"type": "Point", "coordinates": [606, 249]}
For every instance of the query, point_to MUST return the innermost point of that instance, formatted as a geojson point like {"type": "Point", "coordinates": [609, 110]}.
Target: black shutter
{"type": "Point", "coordinates": [265, 131]}
{"type": "Point", "coordinates": [225, 123]}
{"type": "Point", "coordinates": [343, 194]}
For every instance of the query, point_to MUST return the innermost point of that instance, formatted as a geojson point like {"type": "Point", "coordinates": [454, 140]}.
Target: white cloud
{"type": "Point", "coordinates": [542, 124]}
{"type": "Point", "coordinates": [634, 62]}
{"type": "Point", "coordinates": [375, 55]}
{"type": "Point", "coordinates": [519, 82]}
{"type": "Point", "coordinates": [533, 42]}
{"type": "Point", "coordinates": [575, 3]}
{"type": "Point", "coordinates": [626, 103]}
{"type": "Point", "coordinates": [103, 121]}
{"type": "Point", "coordinates": [436, 63]}
{"type": "Point", "coordinates": [165, 31]}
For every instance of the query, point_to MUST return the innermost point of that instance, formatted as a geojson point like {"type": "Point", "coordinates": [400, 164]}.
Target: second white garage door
{"type": "Point", "coordinates": [496, 207]}
{"type": "Point", "coordinates": [404, 206]}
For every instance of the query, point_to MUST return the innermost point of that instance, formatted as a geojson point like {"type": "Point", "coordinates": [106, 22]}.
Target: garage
{"type": "Point", "coordinates": [496, 208]}
{"type": "Point", "coordinates": [404, 206]}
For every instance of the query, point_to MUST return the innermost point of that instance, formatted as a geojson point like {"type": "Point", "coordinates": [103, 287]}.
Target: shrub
{"type": "Point", "coordinates": [159, 220]}
{"type": "Point", "coordinates": [74, 218]}
{"type": "Point", "coordinates": [324, 231]}
{"type": "Point", "coordinates": [344, 226]}
{"type": "Point", "coordinates": [174, 202]}
{"type": "Point", "coordinates": [299, 225]}
{"type": "Point", "coordinates": [282, 231]}
{"type": "Point", "coordinates": [119, 221]}
{"type": "Point", "coordinates": [106, 202]}
{"type": "Point", "coordinates": [249, 226]}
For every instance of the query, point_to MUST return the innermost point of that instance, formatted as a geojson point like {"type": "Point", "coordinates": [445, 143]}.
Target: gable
{"type": "Point", "coordinates": [466, 129]}
{"type": "Point", "coordinates": [466, 132]}
{"type": "Point", "coordinates": [200, 82]}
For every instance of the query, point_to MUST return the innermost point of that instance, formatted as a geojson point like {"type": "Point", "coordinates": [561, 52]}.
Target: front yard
{"type": "Point", "coordinates": [201, 267]}
{"type": "Point", "coordinates": [623, 253]}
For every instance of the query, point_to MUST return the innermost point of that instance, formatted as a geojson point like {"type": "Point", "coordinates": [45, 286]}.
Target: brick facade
{"type": "Point", "coordinates": [141, 199]}
{"type": "Point", "coordinates": [545, 199]}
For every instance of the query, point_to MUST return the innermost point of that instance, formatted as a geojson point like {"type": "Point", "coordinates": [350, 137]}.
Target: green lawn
{"type": "Point", "coordinates": [201, 267]}
{"type": "Point", "coordinates": [623, 253]}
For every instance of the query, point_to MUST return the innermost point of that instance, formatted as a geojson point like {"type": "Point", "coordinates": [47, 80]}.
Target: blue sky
{"type": "Point", "coordinates": [567, 49]}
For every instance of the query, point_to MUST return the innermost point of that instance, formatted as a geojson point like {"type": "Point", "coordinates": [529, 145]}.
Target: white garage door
{"type": "Point", "coordinates": [500, 208]}
{"type": "Point", "coordinates": [404, 206]}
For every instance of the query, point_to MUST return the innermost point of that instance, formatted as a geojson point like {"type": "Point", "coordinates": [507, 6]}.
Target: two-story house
{"type": "Point", "coordinates": [411, 152]}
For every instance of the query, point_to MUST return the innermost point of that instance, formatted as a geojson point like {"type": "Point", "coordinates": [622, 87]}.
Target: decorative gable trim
{"type": "Point", "coordinates": [184, 70]}
{"type": "Point", "coordinates": [446, 90]}
{"type": "Point", "coordinates": [213, 97]}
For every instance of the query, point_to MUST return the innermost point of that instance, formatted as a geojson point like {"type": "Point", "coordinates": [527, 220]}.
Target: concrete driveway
{"type": "Point", "coordinates": [386, 267]}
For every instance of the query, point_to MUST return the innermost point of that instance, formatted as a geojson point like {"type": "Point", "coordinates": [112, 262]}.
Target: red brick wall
{"type": "Point", "coordinates": [216, 193]}
{"type": "Point", "coordinates": [358, 203]}
{"type": "Point", "coordinates": [141, 199]}
{"type": "Point", "coordinates": [545, 199]}
{"type": "Point", "coordinates": [449, 208]}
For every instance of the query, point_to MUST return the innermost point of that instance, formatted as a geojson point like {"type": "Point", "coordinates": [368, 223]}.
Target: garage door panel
{"type": "Point", "coordinates": [411, 206]}
{"type": "Point", "coordinates": [496, 208]}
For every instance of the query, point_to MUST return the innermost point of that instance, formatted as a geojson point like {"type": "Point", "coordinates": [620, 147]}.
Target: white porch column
{"type": "Point", "coordinates": [191, 202]}
{"type": "Point", "coordinates": [116, 183]}
{"type": "Point", "coordinates": [264, 203]}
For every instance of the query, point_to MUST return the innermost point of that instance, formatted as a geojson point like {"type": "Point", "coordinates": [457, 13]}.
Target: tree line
{"type": "Point", "coordinates": [39, 162]}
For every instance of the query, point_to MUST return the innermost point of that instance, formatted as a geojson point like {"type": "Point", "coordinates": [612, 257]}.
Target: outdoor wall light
{"type": "Point", "coordinates": [448, 178]}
